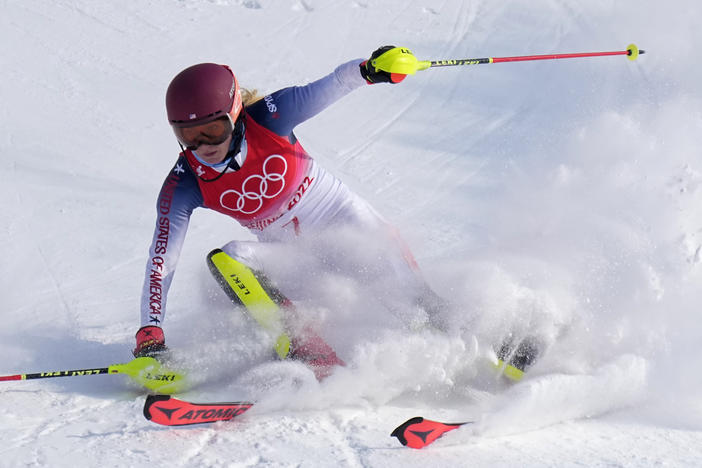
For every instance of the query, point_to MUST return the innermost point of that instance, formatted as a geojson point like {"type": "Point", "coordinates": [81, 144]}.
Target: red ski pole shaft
{"type": "Point", "coordinates": [524, 58]}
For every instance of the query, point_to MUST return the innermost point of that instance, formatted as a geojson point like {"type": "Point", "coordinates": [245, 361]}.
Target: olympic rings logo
{"type": "Point", "coordinates": [256, 188]}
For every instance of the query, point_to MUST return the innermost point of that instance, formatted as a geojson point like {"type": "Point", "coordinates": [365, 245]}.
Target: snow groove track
{"type": "Point", "coordinates": [559, 199]}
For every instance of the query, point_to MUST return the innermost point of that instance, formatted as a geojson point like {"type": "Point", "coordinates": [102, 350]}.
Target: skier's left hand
{"type": "Point", "coordinates": [150, 342]}
{"type": "Point", "coordinates": [379, 67]}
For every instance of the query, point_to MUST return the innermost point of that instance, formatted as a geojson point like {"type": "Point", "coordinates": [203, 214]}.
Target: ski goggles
{"type": "Point", "coordinates": [213, 133]}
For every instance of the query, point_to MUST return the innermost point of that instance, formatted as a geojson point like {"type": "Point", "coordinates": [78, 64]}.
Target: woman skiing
{"type": "Point", "coordinates": [241, 158]}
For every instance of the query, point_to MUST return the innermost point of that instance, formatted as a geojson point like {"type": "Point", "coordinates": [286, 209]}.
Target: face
{"type": "Point", "coordinates": [214, 154]}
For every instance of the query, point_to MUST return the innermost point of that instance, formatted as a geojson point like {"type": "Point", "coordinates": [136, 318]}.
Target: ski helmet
{"type": "Point", "coordinates": [202, 93]}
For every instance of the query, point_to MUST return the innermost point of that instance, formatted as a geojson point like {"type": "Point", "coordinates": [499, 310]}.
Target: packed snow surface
{"type": "Point", "coordinates": [561, 199]}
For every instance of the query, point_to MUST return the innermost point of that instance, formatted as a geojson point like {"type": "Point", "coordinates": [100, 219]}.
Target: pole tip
{"type": "Point", "coordinates": [634, 52]}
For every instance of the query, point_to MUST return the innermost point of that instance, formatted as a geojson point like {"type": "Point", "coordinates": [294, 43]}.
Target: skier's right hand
{"type": "Point", "coordinates": [377, 68]}
{"type": "Point", "coordinates": [150, 342]}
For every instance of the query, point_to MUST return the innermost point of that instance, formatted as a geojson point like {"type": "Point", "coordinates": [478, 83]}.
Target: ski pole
{"type": "Point", "coordinates": [65, 373]}
{"type": "Point", "coordinates": [401, 60]}
{"type": "Point", "coordinates": [146, 371]}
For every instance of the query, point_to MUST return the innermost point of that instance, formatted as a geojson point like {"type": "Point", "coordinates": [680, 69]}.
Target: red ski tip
{"type": "Point", "coordinates": [169, 411]}
{"type": "Point", "coordinates": [419, 432]}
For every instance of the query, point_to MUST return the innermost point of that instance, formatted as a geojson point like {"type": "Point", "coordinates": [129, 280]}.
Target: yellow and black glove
{"type": "Point", "coordinates": [389, 64]}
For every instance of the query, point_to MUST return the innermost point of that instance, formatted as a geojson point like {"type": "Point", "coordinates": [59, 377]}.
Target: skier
{"type": "Point", "coordinates": [241, 158]}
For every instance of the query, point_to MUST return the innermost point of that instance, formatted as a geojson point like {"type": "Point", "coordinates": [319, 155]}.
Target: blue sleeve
{"type": "Point", "coordinates": [179, 196]}
{"type": "Point", "coordinates": [283, 110]}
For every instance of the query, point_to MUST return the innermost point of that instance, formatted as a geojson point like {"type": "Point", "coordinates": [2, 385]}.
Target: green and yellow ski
{"type": "Point", "coordinates": [242, 286]}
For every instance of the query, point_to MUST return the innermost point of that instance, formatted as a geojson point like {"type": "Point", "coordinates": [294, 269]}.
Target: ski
{"type": "Point", "coordinates": [169, 411]}
{"type": "Point", "coordinates": [418, 432]}
{"type": "Point", "coordinates": [266, 305]}
{"type": "Point", "coordinates": [243, 287]}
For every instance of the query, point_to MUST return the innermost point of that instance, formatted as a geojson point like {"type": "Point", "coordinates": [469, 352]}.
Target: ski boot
{"type": "Point", "coordinates": [514, 358]}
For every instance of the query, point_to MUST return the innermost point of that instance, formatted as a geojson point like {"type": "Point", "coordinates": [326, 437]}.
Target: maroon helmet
{"type": "Point", "coordinates": [203, 93]}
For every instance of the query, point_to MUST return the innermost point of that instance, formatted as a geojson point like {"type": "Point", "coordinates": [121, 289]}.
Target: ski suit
{"type": "Point", "coordinates": [279, 193]}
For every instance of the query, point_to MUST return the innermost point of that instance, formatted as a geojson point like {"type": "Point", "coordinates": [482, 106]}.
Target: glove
{"type": "Point", "coordinates": [375, 75]}
{"type": "Point", "coordinates": [150, 342]}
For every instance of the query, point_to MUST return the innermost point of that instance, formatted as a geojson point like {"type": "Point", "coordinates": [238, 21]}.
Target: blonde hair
{"type": "Point", "coordinates": [249, 96]}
